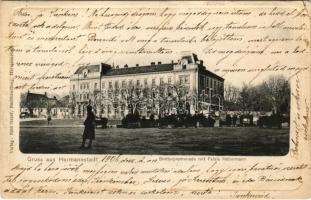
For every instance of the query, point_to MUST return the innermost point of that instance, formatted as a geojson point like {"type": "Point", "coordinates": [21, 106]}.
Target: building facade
{"type": "Point", "coordinates": [41, 105]}
{"type": "Point", "coordinates": [158, 89]}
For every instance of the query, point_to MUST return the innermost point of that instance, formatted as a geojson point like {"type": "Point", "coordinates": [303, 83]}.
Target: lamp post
{"type": "Point", "coordinates": [218, 96]}
{"type": "Point", "coordinates": [210, 99]}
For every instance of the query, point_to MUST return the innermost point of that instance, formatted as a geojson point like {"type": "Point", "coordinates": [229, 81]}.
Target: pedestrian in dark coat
{"type": "Point", "coordinates": [89, 129]}
{"type": "Point", "coordinates": [49, 118]}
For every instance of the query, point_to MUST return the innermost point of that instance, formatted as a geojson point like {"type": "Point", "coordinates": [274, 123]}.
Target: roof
{"type": "Point", "coordinates": [91, 68]}
{"type": "Point", "coordinates": [107, 70]}
{"type": "Point", "coordinates": [141, 69]}
{"type": "Point", "coordinates": [36, 97]}
{"type": "Point", "coordinates": [39, 100]}
{"type": "Point", "coordinates": [210, 74]}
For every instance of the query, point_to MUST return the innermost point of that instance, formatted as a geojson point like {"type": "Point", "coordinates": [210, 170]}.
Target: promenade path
{"type": "Point", "coordinates": [61, 137]}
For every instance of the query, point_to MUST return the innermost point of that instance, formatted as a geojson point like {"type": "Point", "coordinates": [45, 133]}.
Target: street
{"type": "Point", "coordinates": [155, 141]}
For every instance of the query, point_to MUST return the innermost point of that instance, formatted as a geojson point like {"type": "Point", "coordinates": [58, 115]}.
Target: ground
{"type": "Point", "coordinates": [65, 137]}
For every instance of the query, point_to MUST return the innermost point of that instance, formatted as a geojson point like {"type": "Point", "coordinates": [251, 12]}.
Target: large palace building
{"type": "Point", "coordinates": [185, 86]}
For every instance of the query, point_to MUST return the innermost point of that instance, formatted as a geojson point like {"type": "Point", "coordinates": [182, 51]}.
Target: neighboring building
{"type": "Point", "coordinates": [39, 105]}
{"type": "Point", "coordinates": [185, 86]}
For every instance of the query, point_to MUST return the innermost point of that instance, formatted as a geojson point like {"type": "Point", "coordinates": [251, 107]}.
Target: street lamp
{"type": "Point", "coordinates": [218, 96]}
{"type": "Point", "coordinates": [210, 99]}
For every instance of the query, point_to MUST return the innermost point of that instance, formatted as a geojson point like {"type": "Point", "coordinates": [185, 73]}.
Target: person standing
{"type": "Point", "coordinates": [89, 129]}
{"type": "Point", "coordinates": [49, 118]}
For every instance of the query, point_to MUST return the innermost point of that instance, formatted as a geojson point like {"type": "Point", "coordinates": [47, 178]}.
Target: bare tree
{"type": "Point", "coordinates": [271, 95]}
{"type": "Point", "coordinates": [231, 96]}
{"type": "Point", "coordinates": [278, 92]}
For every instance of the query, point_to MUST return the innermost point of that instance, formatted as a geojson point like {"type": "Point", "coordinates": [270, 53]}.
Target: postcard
{"type": "Point", "coordinates": [155, 100]}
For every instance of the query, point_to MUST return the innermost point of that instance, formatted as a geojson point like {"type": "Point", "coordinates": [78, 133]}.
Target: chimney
{"type": "Point", "coordinates": [159, 63]}
{"type": "Point", "coordinates": [152, 63]}
{"type": "Point", "coordinates": [45, 94]}
{"type": "Point", "coordinates": [172, 61]}
{"type": "Point", "coordinates": [137, 65]}
{"type": "Point", "coordinates": [54, 97]}
{"type": "Point", "coordinates": [126, 66]}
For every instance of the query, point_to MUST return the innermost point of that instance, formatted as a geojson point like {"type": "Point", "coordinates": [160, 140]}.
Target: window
{"type": "Point", "coordinates": [87, 96]}
{"type": "Point", "coordinates": [110, 84]}
{"type": "Point", "coordinates": [87, 86]}
{"type": "Point", "coordinates": [95, 86]}
{"type": "Point", "coordinates": [181, 79]}
{"type": "Point", "coordinates": [103, 84]}
{"type": "Point", "coordinates": [80, 96]}
{"type": "Point", "coordinates": [137, 83]}
{"type": "Point", "coordinates": [186, 79]}
{"type": "Point", "coordinates": [109, 109]}
{"type": "Point", "coordinates": [161, 81]}
{"type": "Point", "coordinates": [201, 81]}
{"type": "Point", "coordinates": [81, 86]}
{"type": "Point", "coordinates": [146, 81]}
{"type": "Point", "coordinates": [169, 80]}
{"type": "Point", "coordinates": [131, 83]}
{"type": "Point", "coordinates": [153, 82]}
{"type": "Point", "coordinates": [116, 84]}
{"type": "Point", "coordinates": [116, 93]}
{"type": "Point", "coordinates": [123, 84]}
{"type": "Point", "coordinates": [73, 86]}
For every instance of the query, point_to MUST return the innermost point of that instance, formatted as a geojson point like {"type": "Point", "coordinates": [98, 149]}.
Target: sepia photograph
{"type": "Point", "coordinates": [174, 108]}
